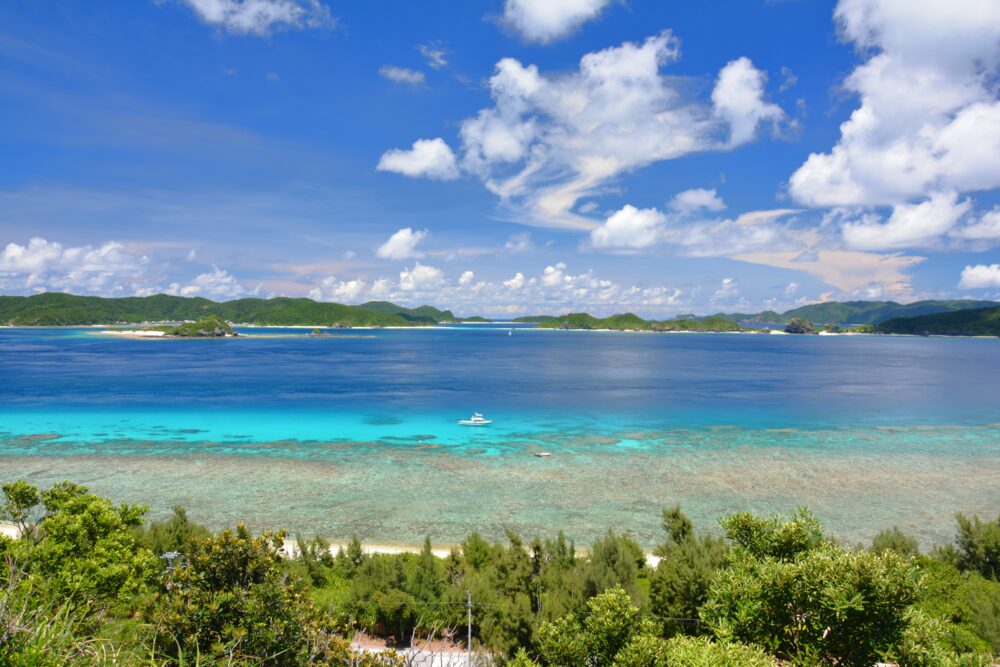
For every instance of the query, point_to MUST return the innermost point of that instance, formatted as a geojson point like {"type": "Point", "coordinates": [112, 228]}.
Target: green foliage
{"type": "Point", "coordinates": [610, 624]}
{"type": "Point", "coordinates": [893, 539]}
{"type": "Point", "coordinates": [82, 548]}
{"type": "Point", "coordinates": [230, 598]}
{"type": "Point", "coordinates": [688, 564]}
{"type": "Point", "coordinates": [423, 314]}
{"type": "Point", "coordinates": [57, 309]}
{"type": "Point", "coordinates": [632, 322]}
{"type": "Point", "coordinates": [975, 322]}
{"type": "Point", "coordinates": [979, 545]}
{"type": "Point", "coordinates": [807, 600]}
{"type": "Point", "coordinates": [969, 603]}
{"type": "Point", "coordinates": [798, 325]}
{"type": "Point", "coordinates": [79, 587]}
{"type": "Point", "coordinates": [211, 326]}
{"type": "Point", "coordinates": [615, 560]}
{"type": "Point", "coordinates": [178, 533]}
{"type": "Point", "coordinates": [773, 537]}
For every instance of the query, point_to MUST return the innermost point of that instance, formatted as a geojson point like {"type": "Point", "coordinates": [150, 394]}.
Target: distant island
{"type": "Point", "coordinates": [59, 309]}
{"type": "Point", "coordinates": [977, 322]}
{"type": "Point", "coordinates": [632, 322]}
{"type": "Point", "coordinates": [953, 318]}
{"type": "Point", "coordinates": [847, 313]}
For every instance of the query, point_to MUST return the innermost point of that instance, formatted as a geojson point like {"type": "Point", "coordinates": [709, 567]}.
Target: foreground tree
{"type": "Point", "coordinates": [688, 564]}
{"type": "Point", "coordinates": [807, 599]}
{"type": "Point", "coordinates": [230, 599]}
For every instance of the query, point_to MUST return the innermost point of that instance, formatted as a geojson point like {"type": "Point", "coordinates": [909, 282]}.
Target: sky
{"type": "Point", "coordinates": [504, 157]}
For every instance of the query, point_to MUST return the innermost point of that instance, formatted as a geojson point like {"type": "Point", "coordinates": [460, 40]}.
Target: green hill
{"type": "Point", "coordinates": [864, 312]}
{"type": "Point", "coordinates": [632, 322]}
{"type": "Point", "coordinates": [534, 319]}
{"type": "Point", "coordinates": [977, 322]}
{"type": "Point", "coordinates": [423, 314]}
{"type": "Point", "coordinates": [58, 309]}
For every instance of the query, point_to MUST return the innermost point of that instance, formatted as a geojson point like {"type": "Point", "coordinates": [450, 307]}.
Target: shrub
{"type": "Point", "coordinates": [808, 600]}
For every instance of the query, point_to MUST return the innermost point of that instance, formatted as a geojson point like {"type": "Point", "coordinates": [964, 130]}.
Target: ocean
{"type": "Point", "coordinates": [357, 433]}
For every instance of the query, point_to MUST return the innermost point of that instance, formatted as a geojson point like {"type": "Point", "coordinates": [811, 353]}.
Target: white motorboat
{"type": "Point", "coordinates": [476, 419]}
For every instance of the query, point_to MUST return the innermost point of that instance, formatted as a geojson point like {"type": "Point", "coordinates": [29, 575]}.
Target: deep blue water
{"type": "Point", "coordinates": [388, 399]}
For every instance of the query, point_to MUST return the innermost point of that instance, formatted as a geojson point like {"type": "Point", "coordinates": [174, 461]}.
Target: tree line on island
{"type": "Point", "coordinates": [89, 582]}
{"type": "Point", "coordinates": [955, 317]}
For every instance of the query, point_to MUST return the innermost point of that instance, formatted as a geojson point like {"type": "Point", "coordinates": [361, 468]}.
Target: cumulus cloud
{"type": "Point", "coordinates": [410, 77]}
{"type": "Point", "coordinates": [420, 278]}
{"type": "Point", "coordinates": [548, 20]}
{"type": "Point", "coordinates": [629, 228]}
{"type": "Point", "coordinates": [554, 290]}
{"type": "Point", "coordinates": [428, 158]}
{"type": "Point", "coordinates": [261, 17]}
{"type": "Point", "coordinates": [402, 245]}
{"type": "Point", "coordinates": [980, 276]}
{"type": "Point", "coordinates": [341, 291]}
{"type": "Point", "coordinates": [515, 283]}
{"type": "Point", "coordinates": [738, 97]}
{"type": "Point", "coordinates": [217, 284]}
{"type": "Point", "coordinates": [928, 119]}
{"type": "Point", "coordinates": [697, 199]}
{"type": "Point", "coordinates": [43, 265]}
{"type": "Point", "coordinates": [910, 225]}
{"type": "Point", "coordinates": [553, 275]}
{"type": "Point", "coordinates": [550, 140]}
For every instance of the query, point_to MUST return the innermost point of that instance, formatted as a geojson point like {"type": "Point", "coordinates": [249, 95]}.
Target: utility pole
{"type": "Point", "coordinates": [468, 608]}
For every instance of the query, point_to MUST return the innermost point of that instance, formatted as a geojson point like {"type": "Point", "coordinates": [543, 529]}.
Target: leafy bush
{"type": "Point", "coordinates": [807, 600]}
{"type": "Point", "coordinates": [893, 539]}
{"type": "Point", "coordinates": [231, 598]}
{"type": "Point", "coordinates": [979, 545]}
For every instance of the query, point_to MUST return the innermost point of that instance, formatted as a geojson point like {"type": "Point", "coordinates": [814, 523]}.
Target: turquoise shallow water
{"type": "Point", "coordinates": [359, 435]}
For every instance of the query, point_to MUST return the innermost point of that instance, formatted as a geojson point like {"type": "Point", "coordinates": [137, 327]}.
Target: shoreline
{"type": "Point", "coordinates": [109, 329]}
{"type": "Point", "coordinates": [290, 547]}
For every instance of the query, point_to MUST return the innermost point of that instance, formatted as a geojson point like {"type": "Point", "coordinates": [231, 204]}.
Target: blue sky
{"type": "Point", "coordinates": [503, 157]}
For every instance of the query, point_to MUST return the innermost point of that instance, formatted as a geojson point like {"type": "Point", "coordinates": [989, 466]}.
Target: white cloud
{"type": "Point", "coordinates": [216, 284]}
{"type": "Point", "coordinates": [402, 245]}
{"type": "Point", "coordinates": [546, 20]}
{"type": "Point", "coordinates": [342, 291]}
{"type": "Point", "coordinates": [434, 54]}
{"type": "Point", "coordinates": [729, 289]}
{"type": "Point", "coordinates": [981, 276]}
{"type": "Point", "coordinates": [420, 278]}
{"type": "Point", "coordinates": [260, 17]}
{"type": "Point", "coordinates": [43, 265]}
{"type": "Point", "coordinates": [429, 158]}
{"type": "Point", "coordinates": [738, 97]}
{"type": "Point", "coordinates": [515, 283]}
{"type": "Point", "coordinates": [629, 228]}
{"type": "Point", "coordinates": [410, 77]}
{"type": "Point", "coordinates": [549, 141]}
{"type": "Point", "coordinates": [929, 117]}
{"type": "Point", "coordinates": [697, 199]}
{"type": "Point", "coordinates": [910, 225]}
{"type": "Point", "coordinates": [987, 228]}
{"type": "Point", "coordinates": [552, 276]}
{"type": "Point", "coordinates": [518, 243]}
{"type": "Point", "coordinates": [466, 278]}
